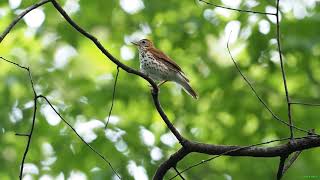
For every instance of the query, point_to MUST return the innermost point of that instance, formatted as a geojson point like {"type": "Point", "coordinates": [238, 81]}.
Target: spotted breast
{"type": "Point", "coordinates": [153, 68]}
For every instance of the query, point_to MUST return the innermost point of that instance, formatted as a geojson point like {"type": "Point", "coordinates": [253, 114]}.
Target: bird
{"type": "Point", "coordinates": [160, 67]}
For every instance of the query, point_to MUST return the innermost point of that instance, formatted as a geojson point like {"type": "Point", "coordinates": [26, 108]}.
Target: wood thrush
{"type": "Point", "coordinates": [160, 67]}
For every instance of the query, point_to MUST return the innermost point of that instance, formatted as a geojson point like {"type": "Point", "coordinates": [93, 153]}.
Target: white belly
{"type": "Point", "coordinates": [153, 68]}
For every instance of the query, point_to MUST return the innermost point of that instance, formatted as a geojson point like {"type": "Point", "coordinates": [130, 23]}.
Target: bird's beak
{"type": "Point", "coordinates": [135, 43]}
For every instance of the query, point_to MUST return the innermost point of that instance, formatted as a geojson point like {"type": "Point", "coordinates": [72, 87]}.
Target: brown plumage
{"type": "Point", "coordinates": [160, 67]}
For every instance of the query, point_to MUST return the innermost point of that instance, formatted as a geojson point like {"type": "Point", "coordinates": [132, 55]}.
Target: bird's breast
{"type": "Point", "coordinates": [152, 67]}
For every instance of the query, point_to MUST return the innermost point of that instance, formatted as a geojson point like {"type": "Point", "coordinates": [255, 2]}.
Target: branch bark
{"type": "Point", "coordinates": [302, 143]}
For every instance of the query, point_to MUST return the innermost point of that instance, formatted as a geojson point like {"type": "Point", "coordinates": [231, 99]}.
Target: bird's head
{"type": "Point", "coordinates": [143, 43]}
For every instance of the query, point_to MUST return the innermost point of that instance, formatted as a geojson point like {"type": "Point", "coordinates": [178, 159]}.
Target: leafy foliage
{"type": "Point", "coordinates": [78, 80]}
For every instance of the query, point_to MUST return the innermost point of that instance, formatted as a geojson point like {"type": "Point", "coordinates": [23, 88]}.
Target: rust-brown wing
{"type": "Point", "coordinates": [159, 55]}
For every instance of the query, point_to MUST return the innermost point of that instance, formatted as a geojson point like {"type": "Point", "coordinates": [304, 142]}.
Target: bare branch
{"type": "Point", "coordinates": [256, 93]}
{"type": "Point", "coordinates": [20, 16]}
{"type": "Point", "coordinates": [281, 165]}
{"type": "Point", "coordinates": [296, 154]}
{"type": "Point", "coordinates": [180, 175]}
{"type": "Point", "coordinates": [22, 134]}
{"type": "Point", "coordinates": [165, 118]}
{"type": "Point", "coordinates": [29, 135]}
{"type": "Point", "coordinates": [302, 143]}
{"type": "Point", "coordinates": [101, 48]}
{"type": "Point", "coordinates": [113, 96]}
{"type": "Point", "coordinates": [169, 163]}
{"type": "Point", "coordinates": [95, 151]}
{"type": "Point", "coordinates": [187, 146]}
{"type": "Point", "coordinates": [304, 104]}
{"type": "Point", "coordinates": [283, 73]}
{"type": "Point", "coordinates": [155, 90]}
{"type": "Point", "coordinates": [239, 10]}
{"type": "Point", "coordinates": [291, 161]}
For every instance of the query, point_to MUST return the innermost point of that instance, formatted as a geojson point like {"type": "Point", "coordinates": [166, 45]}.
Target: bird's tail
{"type": "Point", "coordinates": [188, 89]}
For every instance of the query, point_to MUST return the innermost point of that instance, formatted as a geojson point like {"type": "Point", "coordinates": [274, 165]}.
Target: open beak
{"type": "Point", "coordinates": [135, 43]}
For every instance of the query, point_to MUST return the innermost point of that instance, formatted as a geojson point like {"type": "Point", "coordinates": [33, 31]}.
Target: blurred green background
{"type": "Point", "coordinates": [78, 80]}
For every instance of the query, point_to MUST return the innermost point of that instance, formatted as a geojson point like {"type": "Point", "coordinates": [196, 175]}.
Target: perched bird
{"type": "Point", "coordinates": [160, 67]}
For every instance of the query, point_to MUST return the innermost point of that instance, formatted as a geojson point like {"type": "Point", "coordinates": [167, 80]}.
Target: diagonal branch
{"type": "Point", "coordinates": [95, 151]}
{"type": "Point", "coordinates": [234, 9]}
{"type": "Point", "coordinates": [20, 16]}
{"type": "Point", "coordinates": [188, 146]}
{"type": "Point", "coordinates": [177, 171]}
{"type": "Point", "coordinates": [29, 135]}
{"type": "Point", "coordinates": [291, 161]}
{"type": "Point", "coordinates": [256, 93]}
{"type": "Point", "coordinates": [128, 69]}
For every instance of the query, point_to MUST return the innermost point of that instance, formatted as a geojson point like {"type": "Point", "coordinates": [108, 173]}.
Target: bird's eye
{"type": "Point", "coordinates": [143, 42]}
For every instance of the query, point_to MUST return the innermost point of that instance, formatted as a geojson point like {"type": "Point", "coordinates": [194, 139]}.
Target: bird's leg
{"type": "Point", "coordinates": [162, 82]}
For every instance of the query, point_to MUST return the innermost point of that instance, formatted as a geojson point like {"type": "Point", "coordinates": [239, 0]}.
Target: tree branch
{"type": "Point", "coordinates": [291, 161]}
{"type": "Point", "coordinates": [302, 143]}
{"type": "Point", "coordinates": [180, 175]}
{"type": "Point", "coordinates": [281, 165]}
{"type": "Point", "coordinates": [283, 72]}
{"type": "Point", "coordinates": [128, 69]}
{"type": "Point", "coordinates": [187, 146]}
{"type": "Point", "coordinates": [113, 96]}
{"type": "Point", "coordinates": [304, 104]}
{"type": "Point", "coordinates": [20, 16]}
{"type": "Point", "coordinates": [95, 151]}
{"type": "Point", "coordinates": [256, 93]}
{"type": "Point", "coordinates": [239, 10]}
{"type": "Point", "coordinates": [169, 163]}
{"type": "Point", "coordinates": [29, 135]}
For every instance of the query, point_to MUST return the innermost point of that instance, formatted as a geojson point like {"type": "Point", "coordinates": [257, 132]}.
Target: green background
{"type": "Point", "coordinates": [195, 36]}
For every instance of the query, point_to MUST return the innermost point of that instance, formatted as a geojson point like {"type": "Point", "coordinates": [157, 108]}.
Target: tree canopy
{"type": "Point", "coordinates": [79, 80]}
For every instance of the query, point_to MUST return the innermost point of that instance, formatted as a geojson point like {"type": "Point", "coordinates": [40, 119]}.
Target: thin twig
{"type": "Point", "coordinates": [95, 151]}
{"type": "Point", "coordinates": [22, 134]}
{"type": "Point", "coordinates": [155, 88]}
{"type": "Point", "coordinates": [256, 93]}
{"type": "Point", "coordinates": [20, 16]}
{"type": "Point", "coordinates": [304, 104]}
{"type": "Point", "coordinates": [239, 10]}
{"type": "Point", "coordinates": [25, 68]}
{"type": "Point", "coordinates": [291, 161]}
{"type": "Point", "coordinates": [179, 174]}
{"type": "Point", "coordinates": [29, 135]}
{"type": "Point", "coordinates": [283, 73]}
{"type": "Point", "coordinates": [281, 165]}
{"type": "Point", "coordinates": [113, 96]}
